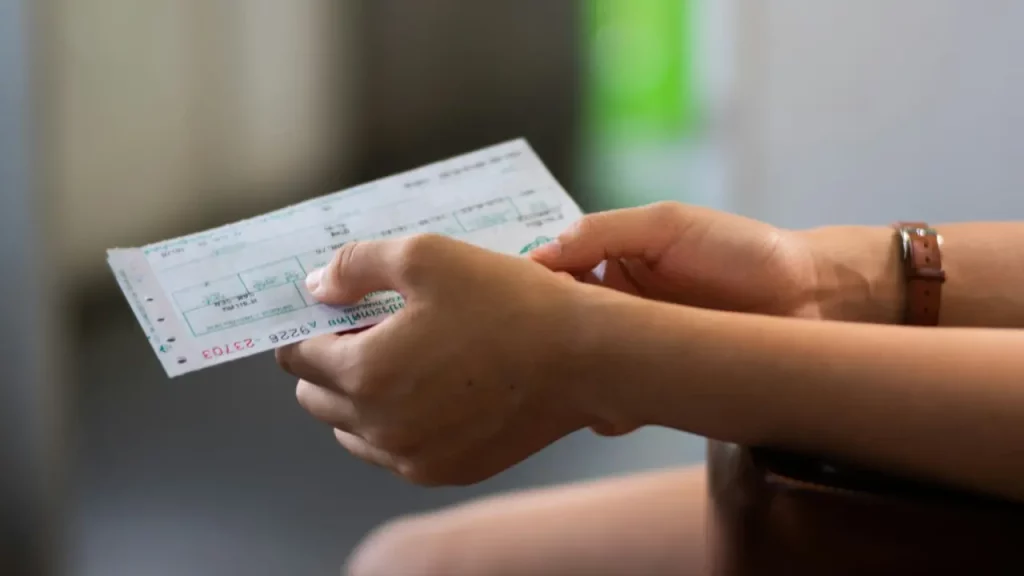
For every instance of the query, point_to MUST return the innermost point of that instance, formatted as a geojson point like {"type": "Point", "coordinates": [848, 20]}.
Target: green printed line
{"type": "Point", "coordinates": [239, 273]}
{"type": "Point", "coordinates": [296, 231]}
{"type": "Point", "coordinates": [514, 207]}
{"type": "Point", "coordinates": [489, 222]}
{"type": "Point", "coordinates": [189, 324]}
{"type": "Point", "coordinates": [301, 297]}
{"type": "Point", "coordinates": [249, 245]}
{"type": "Point", "coordinates": [208, 304]}
{"type": "Point", "coordinates": [253, 321]}
{"type": "Point", "coordinates": [197, 308]}
{"type": "Point", "coordinates": [249, 222]}
{"type": "Point", "coordinates": [271, 264]}
{"type": "Point", "coordinates": [239, 277]}
{"type": "Point", "coordinates": [455, 215]}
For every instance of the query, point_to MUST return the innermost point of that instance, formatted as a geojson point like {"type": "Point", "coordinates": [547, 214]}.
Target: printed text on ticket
{"type": "Point", "coordinates": [237, 290]}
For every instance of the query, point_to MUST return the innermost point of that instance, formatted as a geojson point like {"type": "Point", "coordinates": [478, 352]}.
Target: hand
{"type": "Point", "coordinates": [690, 255]}
{"type": "Point", "coordinates": [465, 381]}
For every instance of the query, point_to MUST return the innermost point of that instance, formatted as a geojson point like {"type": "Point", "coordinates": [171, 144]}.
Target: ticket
{"type": "Point", "coordinates": [238, 290]}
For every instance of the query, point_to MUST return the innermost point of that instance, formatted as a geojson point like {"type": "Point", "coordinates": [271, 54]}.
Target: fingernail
{"type": "Point", "coordinates": [550, 250]}
{"type": "Point", "coordinates": [313, 280]}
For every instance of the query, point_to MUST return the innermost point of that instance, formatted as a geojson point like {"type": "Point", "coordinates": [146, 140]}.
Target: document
{"type": "Point", "coordinates": [238, 290]}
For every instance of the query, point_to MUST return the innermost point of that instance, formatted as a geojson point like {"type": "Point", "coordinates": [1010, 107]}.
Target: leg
{"type": "Point", "coordinates": [651, 524]}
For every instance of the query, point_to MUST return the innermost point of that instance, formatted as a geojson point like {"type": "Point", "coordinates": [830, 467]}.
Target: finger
{"type": "Point", "coordinates": [612, 274]}
{"type": "Point", "coordinates": [327, 406]}
{"type": "Point", "coordinates": [370, 355]}
{"type": "Point", "coordinates": [643, 232]}
{"type": "Point", "coordinates": [356, 269]}
{"type": "Point", "coordinates": [365, 451]}
{"type": "Point", "coordinates": [318, 359]}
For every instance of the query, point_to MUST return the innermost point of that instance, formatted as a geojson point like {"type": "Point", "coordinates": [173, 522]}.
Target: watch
{"type": "Point", "coordinates": [921, 254]}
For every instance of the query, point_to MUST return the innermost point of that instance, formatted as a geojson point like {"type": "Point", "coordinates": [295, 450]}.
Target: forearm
{"type": "Point", "coordinates": [651, 524]}
{"type": "Point", "coordinates": [860, 278]}
{"type": "Point", "coordinates": [947, 404]}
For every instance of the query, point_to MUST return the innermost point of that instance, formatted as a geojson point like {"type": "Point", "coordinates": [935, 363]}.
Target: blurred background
{"type": "Point", "coordinates": [125, 122]}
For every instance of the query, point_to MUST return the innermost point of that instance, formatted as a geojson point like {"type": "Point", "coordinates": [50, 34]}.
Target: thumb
{"type": "Point", "coordinates": [357, 268]}
{"type": "Point", "coordinates": [643, 233]}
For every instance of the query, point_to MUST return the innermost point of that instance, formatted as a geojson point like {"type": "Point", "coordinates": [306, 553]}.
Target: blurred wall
{"type": "Point", "coordinates": [875, 111]}
{"type": "Point", "coordinates": [445, 77]}
{"type": "Point", "coordinates": [19, 502]}
{"type": "Point", "coordinates": [31, 346]}
{"type": "Point", "coordinates": [165, 116]}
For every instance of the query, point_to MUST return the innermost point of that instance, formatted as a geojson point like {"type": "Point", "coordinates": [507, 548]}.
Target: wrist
{"type": "Point", "coordinates": [597, 367]}
{"type": "Point", "coordinates": [857, 274]}
{"type": "Point", "coordinates": [658, 364]}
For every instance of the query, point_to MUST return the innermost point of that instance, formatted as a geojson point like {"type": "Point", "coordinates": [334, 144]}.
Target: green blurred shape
{"type": "Point", "coordinates": [639, 81]}
{"type": "Point", "coordinates": [537, 243]}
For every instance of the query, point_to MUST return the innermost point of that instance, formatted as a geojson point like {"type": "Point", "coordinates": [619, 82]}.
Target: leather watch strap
{"type": "Point", "coordinates": [922, 263]}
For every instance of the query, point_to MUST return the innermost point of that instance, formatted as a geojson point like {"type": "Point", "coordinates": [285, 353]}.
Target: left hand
{"type": "Point", "coordinates": [470, 378]}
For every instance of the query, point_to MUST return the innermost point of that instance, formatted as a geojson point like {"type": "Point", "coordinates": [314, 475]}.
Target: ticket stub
{"type": "Point", "coordinates": [238, 290]}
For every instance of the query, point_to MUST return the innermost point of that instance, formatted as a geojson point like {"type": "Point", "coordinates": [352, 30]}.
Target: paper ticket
{"type": "Point", "coordinates": [238, 290]}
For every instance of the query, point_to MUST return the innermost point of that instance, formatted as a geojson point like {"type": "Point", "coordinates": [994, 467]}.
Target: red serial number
{"type": "Point", "coordinates": [218, 351]}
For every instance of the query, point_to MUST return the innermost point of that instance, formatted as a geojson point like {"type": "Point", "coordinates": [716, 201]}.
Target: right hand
{"type": "Point", "coordinates": [690, 255]}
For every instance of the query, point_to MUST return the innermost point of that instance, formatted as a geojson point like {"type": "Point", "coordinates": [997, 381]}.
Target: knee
{"type": "Point", "coordinates": [406, 546]}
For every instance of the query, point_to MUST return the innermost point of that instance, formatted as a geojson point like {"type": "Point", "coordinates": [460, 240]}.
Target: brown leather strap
{"type": "Point", "coordinates": [922, 259]}
{"type": "Point", "coordinates": [783, 514]}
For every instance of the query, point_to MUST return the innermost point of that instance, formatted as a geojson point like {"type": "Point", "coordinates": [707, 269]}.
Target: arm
{"type": "Point", "coordinates": [651, 524]}
{"type": "Point", "coordinates": [946, 404]}
{"type": "Point", "coordinates": [859, 277]}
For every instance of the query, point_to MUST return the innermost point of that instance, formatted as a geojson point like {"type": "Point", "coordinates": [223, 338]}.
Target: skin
{"type": "Point", "coordinates": [649, 523]}
{"type": "Point", "coordinates": [699, 322]}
